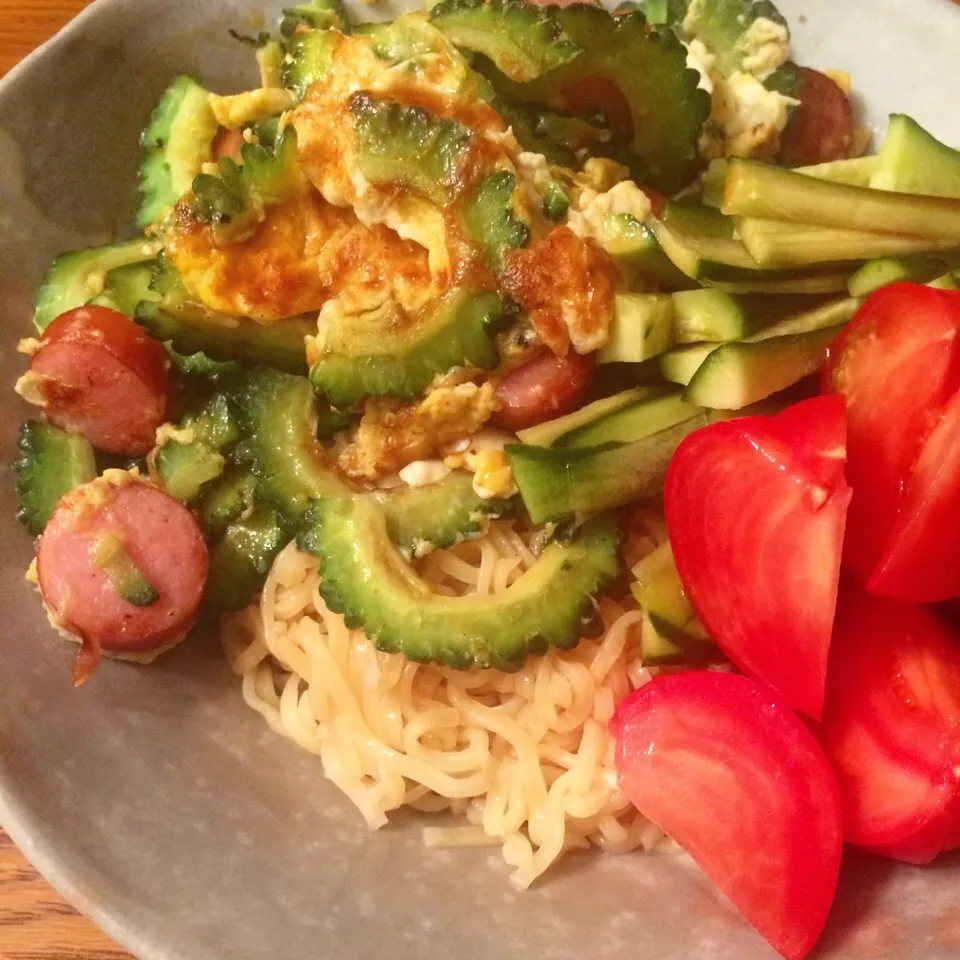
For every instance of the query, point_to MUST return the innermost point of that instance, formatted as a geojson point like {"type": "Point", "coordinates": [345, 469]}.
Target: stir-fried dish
{"type": "Point", "coordinates": [557, 414]}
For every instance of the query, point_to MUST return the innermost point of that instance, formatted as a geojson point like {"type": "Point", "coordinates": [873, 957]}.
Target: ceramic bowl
{"type": "Point", "coordinates": [164, 808]}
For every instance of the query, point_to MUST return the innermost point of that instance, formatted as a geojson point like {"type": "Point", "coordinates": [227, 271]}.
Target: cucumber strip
{"type": "Point", "coordinates": [658, 588]}
{"type": "Point", "coordinates": [806, 286]}
{"type": "Point", "coordinates": [663, 644]}
{"type": "Point", "coordinates": [702, 243]}
{"type": "Point", "coordinates": [546, 434]}
{"type": "Point", "coordinates": [857, 172]}
{"type": "Point", "coordinates": [886, 270]}
{"type": "Point", "coordinates": [774, 243]}
{"type": "Point", "coordinates": [759, 190]}
{"type": "Point", "coordinates": [912, 160]}
{"type": "Point", "coordinates": [680, 365]}
{"type": "Point", "coordinates": [738, 374]}
{"type": "Point", "coordinates": [637, 253]}
{"type": "Point", "coordinates": [949, 281]}
{"type": "Point", "coordinates": [710, 315]}
{"type": "Point", "coordinates": [126, 578]}
{"type": "Point", "coordinates": [642, 328]}
{"type": "Point", "coordinates": [639, 420]}
{"type": "Point", "coordinates": [558, 483]}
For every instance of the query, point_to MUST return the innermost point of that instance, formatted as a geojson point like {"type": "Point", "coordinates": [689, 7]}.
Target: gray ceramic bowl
{"type": "Point", "coordinates": [154, 799]}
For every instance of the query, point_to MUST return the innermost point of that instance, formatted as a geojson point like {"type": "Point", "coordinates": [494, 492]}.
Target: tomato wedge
{"type": "Point", "coordinates": [755, 511]}
{"type": "Point", "coordinates": [922, 557]}
{"type": "Point", "coordinates": [898, 365]}
{"type": "Point", "coordinates": [722, 764]}
{"type": "Point", "coordinates": [891, 726]}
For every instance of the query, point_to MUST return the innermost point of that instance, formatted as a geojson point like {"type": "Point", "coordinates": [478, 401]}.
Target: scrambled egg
{"type": "Point", "coordinates": [765, 46]}
{"type": "Point", "coordinates": [305, 253]}
{"type": "Point", "coordinates": [747, 118]}
{"type": "Point", "coordinates": [328, 144]}
{"type": "Point", "coordinates": [392, 435]}
{"type": "Point", "coordinates": [586, 218]}
{"type": "Point", "coordinates": [567, 284]}
{"type": "Point", "coordinates": [252, 106]}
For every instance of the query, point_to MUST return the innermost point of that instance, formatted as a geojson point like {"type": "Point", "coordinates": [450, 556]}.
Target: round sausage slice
{"type": "Point", "coordinates": [544, 387]}
{"type": "Point", "coordinates": [97, 373]}
{"type": "Point", "coordinates": [122, 566]}
{"type": "Point", "coordinates": [821, 128]}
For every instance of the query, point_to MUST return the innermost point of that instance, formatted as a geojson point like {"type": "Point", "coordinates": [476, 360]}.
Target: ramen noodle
{"type": "Point", "coordinates": [524, 760]}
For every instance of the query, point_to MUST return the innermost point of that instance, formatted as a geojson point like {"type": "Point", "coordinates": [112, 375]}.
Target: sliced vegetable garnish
{"type": "Point", "coordinates": [52, 462]}
{"type": "Point", "coordinates": [722, 764]}
{"type": "Point", "coordinates": [522, 40]}
{"type": "Point", "coordinates": [109, 555]}
{"type": "Point", "coordinates": [638, 79]}
{"type": "Point", "coordinates": [755, 511]}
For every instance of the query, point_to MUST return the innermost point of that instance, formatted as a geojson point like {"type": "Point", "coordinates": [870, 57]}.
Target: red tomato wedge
{"type": "Point", "coordinates": [891, 726]}
{"type": "Point", "coordinates": [755, 511]}
{"type": "Point", "coordinates": [897, 364]}
{"type": "Point", "coordinates": [723, 765]}
{"type": "Point", "coordinates": [922, 556]}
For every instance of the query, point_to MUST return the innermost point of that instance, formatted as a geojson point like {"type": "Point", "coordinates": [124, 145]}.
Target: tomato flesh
{"type": "Point", "coordinates": [755, 512]}
{"type": "Point", "coordinates": [897, 364]}
{"type": "Point", "coordinates": [722, 764]}
{"type": "Point", "coordinates": [922, 556]}
{"type": "Point", "coordinates": [891, 726]}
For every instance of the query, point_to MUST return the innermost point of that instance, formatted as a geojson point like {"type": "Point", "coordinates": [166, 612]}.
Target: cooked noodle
{"type": "Point", "coordinates": [525, 758]}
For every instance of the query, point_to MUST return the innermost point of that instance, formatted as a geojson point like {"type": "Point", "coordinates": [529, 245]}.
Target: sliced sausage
{"type": "Point", "coordinates": [821, 128]}
{"type": "Point", "coordinates": [97, 373]}
{"type": "Point", "coordinates": [227, 143]}
{"type": "Point", "coordinates": [544, 387]}
{"type": "Point", "coordinates": [159, 536]}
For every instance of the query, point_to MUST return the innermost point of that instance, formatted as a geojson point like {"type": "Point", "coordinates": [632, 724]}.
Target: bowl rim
{"type": "Point", "coordinates": [16, 818]}
{"type": "Point", "coordinates": [91, 897]}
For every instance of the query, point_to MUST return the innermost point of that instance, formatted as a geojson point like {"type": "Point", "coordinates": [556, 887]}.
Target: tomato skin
{"type": "Point", "coordinates": [891, 726]}
{"type": "Point", "coordinates": [921, 560]}
{"type": "Point", "coordinates": [755, 511]}
{"type": "Point", "coordinates": [723, 765]}
{"type": "Point", "coordinates": [821, 128]}
{"type": "Point", "coordinates": [101, 375]}
{"type": "Point", "coordinates": [542, 388]}
{"type": "Point", "coordinates": [897, 363]}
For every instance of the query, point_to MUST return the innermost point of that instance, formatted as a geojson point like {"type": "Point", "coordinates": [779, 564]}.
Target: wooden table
{"type": "Point", "coordinates": [35, 923]}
